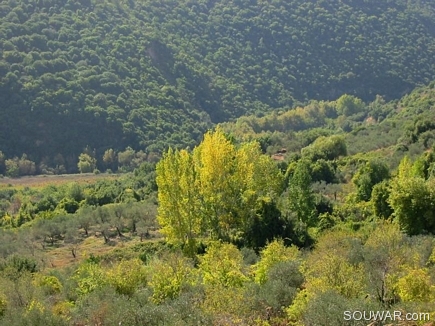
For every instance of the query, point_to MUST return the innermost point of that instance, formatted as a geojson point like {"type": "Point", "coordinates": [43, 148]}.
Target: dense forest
{"type": "Point", "coordinates": [108, 75]}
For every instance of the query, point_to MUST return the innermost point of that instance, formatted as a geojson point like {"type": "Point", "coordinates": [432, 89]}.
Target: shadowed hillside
{"type": "Point", "coordinates": [146, 74]}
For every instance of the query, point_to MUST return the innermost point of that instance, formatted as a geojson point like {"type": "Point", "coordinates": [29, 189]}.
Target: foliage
{"type": "Point", "coordinates": [127, 275]}
{"type": "Point", "coordinates": [349, 105]}
{"type": "Point", "coordinates": [331, 266]}
{"type": "Point", "coordinates": [301, 198]}
{"type": "Point", "coordinates": [415, 286]}
{"type": "Point", "coordinates": [368, 175]}
{"type": "Point", "coordinates": [384, 257]}
{"type": "Point", "coordinates": [3, 305]}
{"type": "Point", "coordinates": [49, 283]}
{"type": "Point", "coordinates": [328, 309]}
{"type": "Point", "coordinates": [86, 163]}
{"type": "Point", "coordinates": [411, 200]}
{"type": "Point", "coordinates": [268, 224]}
{"type": "Point", "coordinates": [18, 167]}
{"type": "Point", "coordinates": [89, 277]}
{"type": "Point", "coordinates": [221, 265]}
{"type": "Point", "coordinates": [179, 201]}
{"type": "Point", "coordinates": [283, 283]}
{"type": "Point", "coordinates": [145, 75]}
{"type": "Point", "coordinates": [214, 190]}
{"type": "Point", "coordinates": [328, 148]}
{"type": "Point", "coordinates": [169, 277]}
{"type": "Point", "coordinates": [272, 254]}
{"type": "Point", "coordinates": [379, 200]}
{"type": "Point", "coordinates": [88, 252]}
{"type": "Point", "coordinates": [15, 265]}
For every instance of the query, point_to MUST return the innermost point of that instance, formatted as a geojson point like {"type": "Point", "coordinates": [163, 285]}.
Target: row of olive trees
{"type": "Point", "coordinates": [110, 222]}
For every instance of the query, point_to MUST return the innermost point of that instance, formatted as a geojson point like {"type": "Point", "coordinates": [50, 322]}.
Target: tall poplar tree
{"type": "Point", "coordinates": [179, 205]}
{"type": "Point", "coordinates": [214, 191]}
{"type": "Point", "coordinates": [301, 197]}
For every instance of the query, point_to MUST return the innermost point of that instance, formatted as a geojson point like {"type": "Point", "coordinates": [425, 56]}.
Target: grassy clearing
{"type": "Point", "coordinates": [41, 181]}
{"type": "Point", "coordinates": [61, 255]}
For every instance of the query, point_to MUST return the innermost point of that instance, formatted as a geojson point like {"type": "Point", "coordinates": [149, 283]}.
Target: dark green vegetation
{"type": "Point", "coordinates": [147, 74]}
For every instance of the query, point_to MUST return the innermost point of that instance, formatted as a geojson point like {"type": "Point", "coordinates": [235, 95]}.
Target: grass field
{"type": "Point", "coordinates": [45, 180]}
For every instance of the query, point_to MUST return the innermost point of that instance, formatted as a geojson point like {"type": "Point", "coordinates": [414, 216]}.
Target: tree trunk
{"type": "Point", "coordinates": [106, 240]}
{"type": "Point", "coordinates": [119, 232]}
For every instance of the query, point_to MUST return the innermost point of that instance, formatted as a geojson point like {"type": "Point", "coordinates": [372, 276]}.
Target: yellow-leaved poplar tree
{"type": "Point", "coordinates": [179, 203]}
{"type": "Point", "coordinates": [217, 184]}
{"type": "Point", "coordinates": [213, 191]}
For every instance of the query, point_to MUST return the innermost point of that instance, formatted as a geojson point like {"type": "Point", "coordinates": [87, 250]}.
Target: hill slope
{"type": "Point", "coordinates": [147, 75]}
{"type": "Point", "coordinates": [379, 129]}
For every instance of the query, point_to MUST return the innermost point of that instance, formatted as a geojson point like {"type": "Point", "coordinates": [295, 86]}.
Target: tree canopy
{"type": "Point", "coordinates": [113, 74]}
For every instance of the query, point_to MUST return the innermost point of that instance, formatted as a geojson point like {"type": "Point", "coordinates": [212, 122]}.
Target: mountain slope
{"type": "Point", "coordinates": [111, 74]}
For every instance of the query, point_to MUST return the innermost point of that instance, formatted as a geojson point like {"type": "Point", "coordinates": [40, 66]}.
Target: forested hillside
{"type": "Point", "coordinates": [146, 74]}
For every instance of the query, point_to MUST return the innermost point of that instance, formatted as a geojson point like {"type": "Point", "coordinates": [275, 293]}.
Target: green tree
{"type": "Point", "coordinates": [284, 280]}
{"type": "Point", "coordinates": [117, 217]}
{"type": "Point", "coordinates": [12, 168]}
{"type": "Point", "coordinates": [110, 159]}
{"type": "Point", "coordinates": [416, 286]}
{"type": "Point", "coordinates": [328, 148]}
{"type": "Point", "coordinates": [301, 200]}
{"type": "Point", "coordinates": [383, 256]}
{"type": "Point", "coordinates": [85, 219]}
{"type": "Point", "coordinates": [125, 159]}
{"type": "Point", "coordinates": [89, 277]}
{"type": "Point", "coordinates": [348, 105]}
{"type": "Point", "coordinates": [215, 191]}
{"type": "Point", "coordinates": [179, 203]}
{"type": "Point", "coordinates": [379, 199]}
{"type": "Point", "coordinates": [2, 163]}
{"type": "Point", "coordinates": [219, 184]}
{"type": "Point", "coordinates": [169, 276]}
{"type": "Point", "coordinates": [3, 304]}
{"type": "Point", "coordinates": [322, 170]}
{"type": "Point", "coordinates": [265, 226]}
{"type": "Point", "coordinates": [368, 176]}
{"type": "Point", "coordinates": [127, 275]}
{"type": "Point", "coordinates": [26, 166]}
{"type": "Point", "coordinates": [86, 164]}
{"type": "Point", "coordinates": [422, 166]}
{"type": "Point", "coordinates": [411, 198]}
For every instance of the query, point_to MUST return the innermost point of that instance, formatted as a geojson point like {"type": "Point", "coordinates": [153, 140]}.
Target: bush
{"type": "Point", "coordinates": [282, 285]}
{"type": "Point", "coordinates": [328, 308]}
